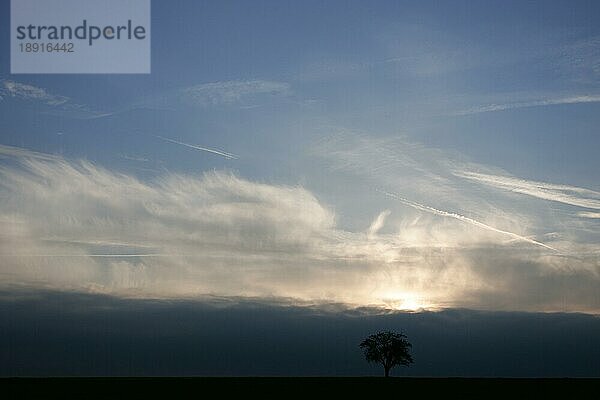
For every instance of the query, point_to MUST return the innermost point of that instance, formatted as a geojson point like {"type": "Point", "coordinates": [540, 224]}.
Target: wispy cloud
{"type": "Point", "coordinates": [579, 60]}
{"type": "Point", "coordinates": [423, 207]}
{"type": "Point", "coordinates": [229, 92]}
{"type": "Point", "coordinates": [134, 158]}
{"type": "Point", "coordinates": [435, 178]}
{"type": "Point", "coordinates": [29, 92]}
{"type": "Point", "coordinates": [244, 94]}
{"type": "Point", "coordinates": [565, 194]}
{"type": "Point", "coordinates": [378, 223]}
{"type": "Point", "coordinates": [588, 214]}
{"type": "Point", "coordinates": [18, 152]}
{"type": "Point", "coordinates": [206, 149]}
{"type": "Point", "coordinates": [532, 103]}
{"type": "Point", "coordinates": [55, 103]}
{"type": "Point", "coordinates": [72, 225]}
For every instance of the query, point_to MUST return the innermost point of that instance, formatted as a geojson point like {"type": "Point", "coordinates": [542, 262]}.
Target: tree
{"type": "Point", "coordinates": [387, 348]}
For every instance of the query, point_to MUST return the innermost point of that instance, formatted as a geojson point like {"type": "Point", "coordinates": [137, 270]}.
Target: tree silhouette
{"type": "Point", "coordinates": [387, 348]}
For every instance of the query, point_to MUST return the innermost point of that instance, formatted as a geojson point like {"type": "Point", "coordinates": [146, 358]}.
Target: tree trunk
{"type": "Point", "coordinates": [387, 371]}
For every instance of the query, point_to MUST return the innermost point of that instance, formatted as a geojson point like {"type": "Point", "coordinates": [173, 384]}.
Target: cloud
{"type": "Point", "coordinates": [379, 165]}
{"type": "Point", "coordinates": [56, 104]}
{"type": "Point", "coordinates": [533, 103]}
{"type": "Point", "coordinates": [588, 214]}
{"type": "Point", "coordinates": [446, 180]}
{"type": "Point", "coordinates": [398, 165]}
{"type": "Point", "coordinates": [468, 220]}
{"type": "Point", "coordinates": [565, 194]}
{"type": "Point", "coordinates": [17, 152]}
{"type": "Point", "coordinates": [74, 226]}
{"type": "Point", "coordinates": [579, 60]}
{"type": "Point", "coordinates": [230, 92]}
{"type": "Point", "coordinates": [134, 158]}
{"type": "Point", "coordinates": [245, 94]}
{"type": "Point", "coordinates": [378, 223]}
{"type": "Point", "coordinates": [29, 92]}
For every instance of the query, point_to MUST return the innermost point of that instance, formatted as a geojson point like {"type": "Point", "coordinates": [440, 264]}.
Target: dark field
{"type": "Point", "coordinates": [115, 388]}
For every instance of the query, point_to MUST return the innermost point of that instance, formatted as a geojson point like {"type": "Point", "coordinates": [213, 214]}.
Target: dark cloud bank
{"type": "Point", "coordinates": [51, 333]}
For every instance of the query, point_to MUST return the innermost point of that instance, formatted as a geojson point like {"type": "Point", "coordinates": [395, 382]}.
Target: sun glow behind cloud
{"type": "Point", "coordinates": [403, 301]}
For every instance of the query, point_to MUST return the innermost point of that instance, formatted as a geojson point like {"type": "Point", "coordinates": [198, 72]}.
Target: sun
{"type": "Point", "coordinates": [405, 301]}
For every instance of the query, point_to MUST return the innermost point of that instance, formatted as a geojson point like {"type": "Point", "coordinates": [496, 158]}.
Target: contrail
{"type": "Point", "coordinates": [586, 198]}
{"type": "Point", "coordinates": [217, 152]}
{"type": "Point", "coordinates": [533, 103]}
{"type": "Point", "coordinates": [459, 217]}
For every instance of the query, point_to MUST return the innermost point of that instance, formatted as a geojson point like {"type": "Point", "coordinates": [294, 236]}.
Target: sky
{"type": "Point", "coordinates": [408, 156]}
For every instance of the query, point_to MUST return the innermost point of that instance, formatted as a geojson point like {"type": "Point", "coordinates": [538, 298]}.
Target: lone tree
{"type": "Point", "coordinates": [387, 348]}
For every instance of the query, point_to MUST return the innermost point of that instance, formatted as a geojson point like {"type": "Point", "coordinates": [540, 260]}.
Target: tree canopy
{"type": "Point", "coordinates": [388, 349]}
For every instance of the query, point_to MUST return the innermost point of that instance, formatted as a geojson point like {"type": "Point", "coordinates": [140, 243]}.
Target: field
{"type": "Point", "coordinates": [115, 388]}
